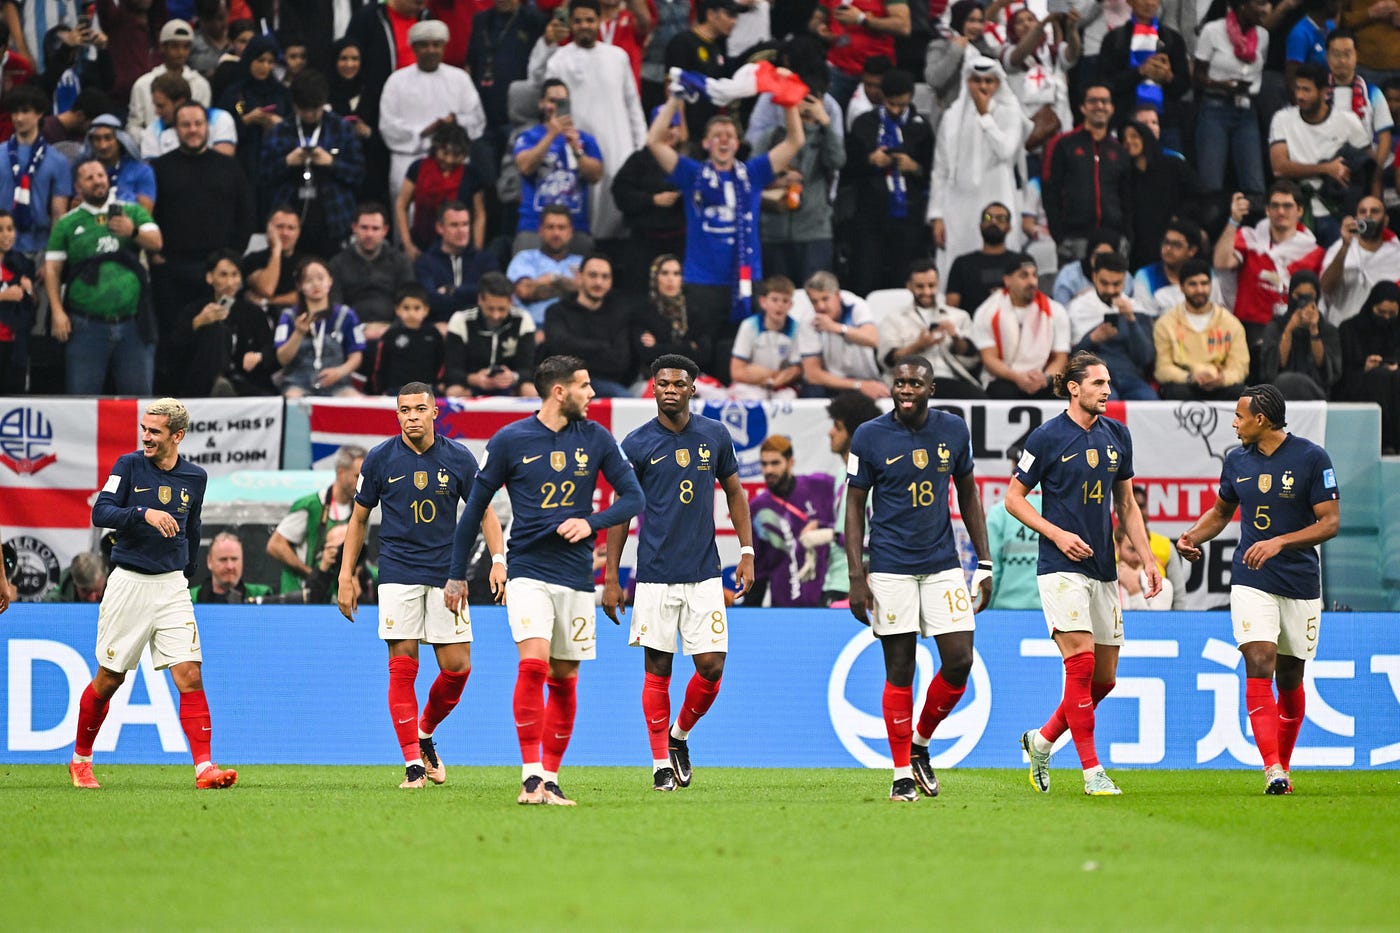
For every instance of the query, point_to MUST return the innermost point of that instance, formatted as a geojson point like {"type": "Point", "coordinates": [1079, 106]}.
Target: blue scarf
{"type": "Point", "coordinates": [22, 207]}
{"type": "Point", "coordinates": [892, 137]}
{"type": "Point", "coordinates": [746, 247]}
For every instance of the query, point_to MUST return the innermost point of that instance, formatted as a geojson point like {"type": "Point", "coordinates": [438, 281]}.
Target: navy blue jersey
{"type": "Point", "coordinates": [550, 477]}
{"type": "Point", "coordinates": [136, 484]}
{"type": "Point", "coordinates": [678, 473]}
{"type": "Point", "coordinates": [911, 531]}
{"type": "Point", "coordinates": [419, 493]}
{"type": "Point", "coordinates": [1076, 470]}
{"type": "Point", "coordinates": [1276, 495]}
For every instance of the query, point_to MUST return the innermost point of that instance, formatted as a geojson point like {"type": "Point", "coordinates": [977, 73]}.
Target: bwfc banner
{"type": "Point", "coordinates": [56, 452]}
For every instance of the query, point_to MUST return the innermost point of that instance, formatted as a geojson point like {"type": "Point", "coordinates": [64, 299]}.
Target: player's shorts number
{"type": "Point", "coordinates": [922, 493]}
{"type": "Point", "coordinates": [194, 634]}
{"type": "Point", "coordinates": [1311, 629]}
{"type": "Point", "coordinates": [1262, 521]}
{"type": "Point", "coordinates": [424, 511]}
{"type": "Point", "coordinates": [1094, 493]}
{"type": "Point", "coordinates": [564, 491]}
{"type": "Point", "coordinates": [957, 601]}
{"type": "Point", "coordinates": [578, 624]}
{"type": "Point", "coordinates": [687, 493]}
{"type": "Point", "coordinates": [717, 622]}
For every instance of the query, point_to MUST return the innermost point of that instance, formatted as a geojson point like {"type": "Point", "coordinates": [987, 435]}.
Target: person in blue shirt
{"type": "Point", "coordinates": [153, 500]}
{"type": "Point", "coordinates": [915, 585]}
{"type": "Point", "coordinates": [678, 458]}
{"type": "Point", "coordinates": [557, 161]}
{"type": "Point", "coordinates": [1307, 40]}
{"type": "Point", "coordinates": [36, 180]}
{"type": "Point", "coordinates": [550, 464]}
{"type": "Point", "coordinates": [1286, 492]}
{"type": "Point", "coordinates": [1083, 463]}
{"type": "Point", "coordinates": [418, 479]}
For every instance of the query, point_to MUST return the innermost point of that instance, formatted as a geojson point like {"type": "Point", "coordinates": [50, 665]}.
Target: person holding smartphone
{"type": "Point", "coordinates": [1228, 73]}
{"type": "Point", "coordinates": [1107, 323]}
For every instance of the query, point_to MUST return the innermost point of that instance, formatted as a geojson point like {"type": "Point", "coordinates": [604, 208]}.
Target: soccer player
{"type": "Point", "coordinates": [1287, 494]}
{"type": "Point", "coordinates": [678, 457]}
{"type": "Point", "coordinates": [153, 499]}
{"type": "Point", "coordinates": [1083, 463]}
{"type": "Point", "coordinates": [419, 480]}
{"type": "Point", "coordinates": [550, 465]}
{"type": "Point", "coordinates": [915, 585]}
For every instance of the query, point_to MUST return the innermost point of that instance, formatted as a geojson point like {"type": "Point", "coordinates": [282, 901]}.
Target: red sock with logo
{"type": "Point", "coordinates": [194, 719]}
{"type": "Point", "coordinates": [1078, 706]}
{"type": "Point", "coordinates": [1057, 725]}
{"type": "Point", "coordinates": [559, 720]}
{"type": "Point", "coordinates": [1263, 716]}
{"type": "Point", "coordinates": [92, 710]}
{"type": "Point", "coordinates": [699, 697]}
{"type": "Point", "coordinates": [403, 704]}
{"type": "Point", "coordinates": [442, 699]}
{"type": "Point", "coordinates": [898, 705]}
{"type": "Point", "coordinates": [528, 705]}
{"type": "Point", "coordinates": [938, 703]}
{"type": "Point", "coordinates": [1292, 704]}
{"type": "Point", "coordinates": [656, 706]}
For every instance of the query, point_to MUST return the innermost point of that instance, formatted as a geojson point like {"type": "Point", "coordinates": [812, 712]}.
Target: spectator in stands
{"type": "Point", "coordinates": [381, 32]}
{"type": "Point", "coordinates": [593, 326]}
{"type": "Point", "coordinates": [99, 293]}
{"type": "Point", "coordinates": [1377, 28]}
{"type": "Point", "coordinates": [862, 29]}
{"type": "Point", "coordinates": [223, 343]}
{"type": "Point", "coordinates": [966, 35]}
{"type": "Point", "coordinates": [544, 275]}
{"type": "Point", "coordinates": [975, 160]}
{"type": "Point", "coordinates": [1266, 256]}
{"type": "Point", "coordinates": [240, 32]}
{"type": "Point", "coordinates": [75, 59]}
{"type": "Point", "coordinates": [839, 341]}
{"type": "Point", "coordinates": [926, 326]}
{"type": "Point", "coordinates": [1132, 577]}
{"type": "Point", "coordinates": [490, 348]}
{"type": "Point", "coordinates": [371, 272]}
{"type": "Point", "coordinates": [703, 48]}
{"type": "Point", "coordinates": [1037, 60]}
{"type": "Point", "coordinates": [347, 84]}
{"type": "Point", "coordinates": [257, 101]}
{"type": "Point", "coordinates": [1307, 40]}
{"type": "Point", "coordinates": [271, 272]}
{"type": "Point", "coordinates": [176, 42]}
{"type": "Point", "coordinates": [1366, 253]}
{"type": "Point", "coordinates": [225, 583]}
{"type": "Point", "coordinates": [315, 163]}
{"type": "Point", "coordinates": [319, 344]}
{"type": "Point", "coordinates": [1107, 323]}
{"type": "Point", "coordinates": [211, 37]}
{"type": "Point", "coordinates": [1157, 286]}
{"type": "Point", "coordinates": [17, 278]}
{"type": "Point", "coordinates": [1023, 336]}
{"type": "Point", "coordinates": [975, 275]}
{"type": "Point", "coordinates": [499, 54]}
{"type": "Point", "coordinates": [1160, 187]}
{"type": "Point", "coordinates": [1227, 75]}
{"type": "Point", "coordinates": [661, 324]}
{"type": "Point", "coordinates": [1321, 147]}
{"type": "Point", "coordinates": [83, 581]}
{"type": "Point", "coordinates": [790, 518]}
{"type": "Point", "coordinates": [1146, 61]}
{"type": "Point", "coordinates": [39, 180]}
{"type": "Point", "coordinates": [558, 163]}
{"type": "Point", "coordinates": [169, 92]}
{"type": "Point", "coordinates": [1302, 351]}
{"type": "Point", "coordinates": [889, 151]}
{"type": "Point", "coordinates": [651, 204]}
{"type": "Point", "coordinates": [132, 29]}
{"type": "Point", "coordinates": [445, 174]}
{"type": "Point", "coordinates": [1076, 278]}
{"type": "Point", "coordinates": [408, 351]}
{"type": "Point", "coordinates": [868, 94]}
{"type": "Point", "coordinates": [1371, 359]}
{"type": "Point", "coordinates": [71, 125]}
{"type": "Point", "coordinates": [673, 17]}
{"type": "Point", "coordinates": [323, 581]}
{"type": "Point", "coordinates": [130, 177]}
{"type": "Point", "coordinates": [766, 361]}
{"type": "Point", "coordinates": [303, 531]}
{"type": "Point", "coordinates": [295, 56]}
{"type": "Point", "coordinates": [419, 99]}
{"type": "Point", "coordinates": [1351, 93]}
{"type": "Point", "coordinates": [451, 268]}
{"type": "Point", "coordinates": [1202, 351]}
{"type": "Point", "coordinates": [1086, 188]}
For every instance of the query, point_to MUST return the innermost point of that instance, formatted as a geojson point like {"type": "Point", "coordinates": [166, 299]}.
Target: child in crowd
{"type": "Point", "coordinates": [408, 351]}
{"type": "Point", "coordinates": [319, 345]}
{"type": "Point", "coordinates": [766, 361]}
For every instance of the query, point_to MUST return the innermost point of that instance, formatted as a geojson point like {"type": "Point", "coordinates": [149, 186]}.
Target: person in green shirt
{"type": "Point", "coordinates": [298, 537]}
{"type": "Point", "coordinates": [225, 583]}
{"type": "Point", "coordinates": [847, 411]}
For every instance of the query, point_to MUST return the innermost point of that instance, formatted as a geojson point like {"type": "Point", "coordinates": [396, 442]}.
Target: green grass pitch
{"type": "Point", "coordinates": [334, 848]}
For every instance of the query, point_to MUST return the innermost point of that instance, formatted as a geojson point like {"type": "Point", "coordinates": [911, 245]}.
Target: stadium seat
{"type": "Point", "coordinates": [885, 301]}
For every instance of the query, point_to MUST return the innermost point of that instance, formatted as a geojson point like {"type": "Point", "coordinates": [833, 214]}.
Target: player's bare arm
{"type": "Point", "coordinates": [614, 599]}
{"type": "Point", "coordinates": [859, 589]}
{"type": "Point", "coordinates": [975, 521]}
{"type": "Point", "coordinates": [1131, 517]}
{"type": "Point", "coordinates": [495, 537]}
{"type": "Point", "coordinates": [1069, 543]}
{"type": "Point", "coordinates": [1329, 519]}
{"type": "Point", "coordinates": [743, 528]}
{"type": "Point", "coordinates": [356, 529]}
{"type": "Point", "coordinates": [1207, 526]}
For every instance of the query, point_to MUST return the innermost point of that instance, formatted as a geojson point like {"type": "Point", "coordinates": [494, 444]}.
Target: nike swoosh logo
{"type": "Point", "coordinates": [1253, 711]}
{"type": "Point", "coordinates": [522, 725]}
{"type": "Point", "coordinates": [93, 728]}
{"type": "Point", "coordinates": [561, 737]}
{"type": "Point", "coordinates": [658, 459]}
{"type": "Point", "coordinates": [402, 721]}
{"type": "Point", "coordinates": [889, 460]}
{"type": "Point", "coordinates": [900, 722]}
{"type": "Point", "coordinates": [1242, 479]}
{"type": "Point", "coordinates": [205, 728]}
{"type": "Point", "coordinates": [395, 479]}
{"type": "Point", "coordinates": [655, 721]}
{"type": "Point", "coordinates": [531, 459]}
{"type": "Point", "coordinates": [141, 489]}
{"type": "Point", "coordinates": [1086, 704]}
{"type": "Point", "coordinates": [1069, 458]}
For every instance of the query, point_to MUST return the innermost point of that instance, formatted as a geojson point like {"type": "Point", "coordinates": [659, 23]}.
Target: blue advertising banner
{"type": "Point", "coordinates": [802, 688]}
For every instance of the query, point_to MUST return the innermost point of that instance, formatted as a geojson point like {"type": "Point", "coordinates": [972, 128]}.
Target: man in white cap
{"type": "Point", "coordinates": [176, 41]}
{"type": "Point", "coordinates": [417, 100]}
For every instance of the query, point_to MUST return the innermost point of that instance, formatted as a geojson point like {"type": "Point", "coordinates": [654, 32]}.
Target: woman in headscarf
{"type": "Point", "coordinates": [348, 86]}
{"type": "Point", "coordinates": [258, 102]}
{"type": "Point", "coordinates": [661, 325]}
{"type": "Point", "coordinates": [978, 151]}
{"type": "Point", "coordinates": [967, 37]}
{"type": "Point", "coordinates": [1371, 359]}
{"type": "Point", "coordinates": [1158, 186]}
{"type": "Point", "coordinates": [1302, 352]}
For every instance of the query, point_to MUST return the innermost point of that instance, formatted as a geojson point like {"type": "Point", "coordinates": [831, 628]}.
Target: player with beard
{"type": "Point", "coordinates": [793, 518]}
{"type": "Point", "coordinates": [549, 464]}
{"type": "Point", "coordinates": [678, 457]}
{"type": "Point", "coordinates": [915, 585]}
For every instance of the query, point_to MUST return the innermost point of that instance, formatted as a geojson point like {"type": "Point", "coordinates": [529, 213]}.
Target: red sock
{"type": "Point", "coordinates": [558, 720]}
{"type": "Point", "coordinates": [656, 706]}
{"type": "Point", "coordinates": [403, 704]}
{"type": "Point", "coordinates": [1078, 706]}
{"type": "Point", "coordinates": [194, 719]}
{"type": "Point", "coordinates": [1291, 706]}
{"type": "Point", "coordinates": [898, 704]}
{"type": "Point", "coordinates": [92, 710]}
{"type": "Point", "coordinates": [442, 699]}
{"type": "Point", "coordinates": [699, 697]}
{"type": "Point", "coordinates": [1263, 716]}
{"type": "Point", "coordinates": [1057, 725]}
{"type": "Point", "coordinates": [938, 703]}
{"type": "Point", "coordinates": [529, 707]}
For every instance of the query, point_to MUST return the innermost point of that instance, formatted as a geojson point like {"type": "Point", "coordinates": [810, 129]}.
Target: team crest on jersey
{"type": "Point", "coordinates": [420, 479]}
{"type": "Point", "coordinates": [1112, 458]}
{"type": "Point", "coordinates": [1092, 457]}
{"type": "Point", "coordinates": [443, 477]}
{"type": "Point", "coordinates": [921, 458]}
{"type": "Point", "coordinates": [184, 496]}
{"type": "Point", "coordinates": [557, 460]}
{"type": "Point", "coordinates": [944, 454]}
{"type": "Point", "coordinates": [1266, 482]}
{"type": "Point", "coordinates": [163, 494]}
{"type": "Point", "coordinates": [704, 453]}
{"type": "Point", "coordinates": [683, 458]}
{"type": "Point", "coordinates": [1287, 483]}
{"type": "Point", "coordinates": [580, 461]}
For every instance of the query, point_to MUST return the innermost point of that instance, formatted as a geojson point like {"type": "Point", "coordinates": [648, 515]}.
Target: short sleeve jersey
{"type": "Point", "coordinates": [1276, 494]}
{"type": "Point", "coordinates": [771, 349]}
{"type": "Point", "coordinates": [908, 469]}
{"type": "Point", "coordinates": [81, 234]}
{"type": "Point", "coordinates": [678, 472]}
{"type": "Point", "coordinates": [419, 494]}
{"type": "Point", "coordinates": [712, 207]}
{"type": "Point", "coordinates": [556, 181]}
{"type": "Point", "coordinates": [1076, 470]}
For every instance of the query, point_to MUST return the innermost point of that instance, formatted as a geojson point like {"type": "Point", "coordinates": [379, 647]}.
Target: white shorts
{"type": "Point", "coordinates": [1290, 623]}
{"type": "Point", "coordinates": [547, 610]}
{"type": "Point", "coordinates": [416, 612]}
{"type": "Point", "coordinates": [140, 609]}
{"type": "Point", "coordinates": [1076, 603]}
{"type": "Point", "coordinates": [695, 610]}
{"type": "Point", "coordinates": [928, 604]}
